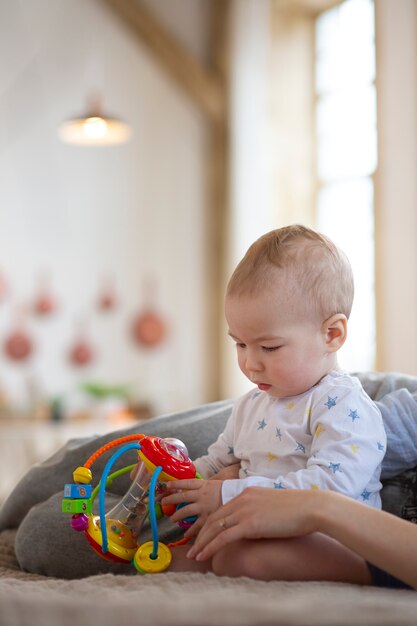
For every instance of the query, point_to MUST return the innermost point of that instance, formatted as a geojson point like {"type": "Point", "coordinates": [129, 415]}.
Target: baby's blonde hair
{"type": "Point", "coordinates": [317, 273]}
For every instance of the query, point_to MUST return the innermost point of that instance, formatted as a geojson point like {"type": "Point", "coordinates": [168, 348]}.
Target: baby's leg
{"type": "Point", "coordinates": [315, 557]}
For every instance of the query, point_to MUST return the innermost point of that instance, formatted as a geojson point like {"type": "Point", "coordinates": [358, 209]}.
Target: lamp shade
{"type": "Point", "coordinates": [94, 129]}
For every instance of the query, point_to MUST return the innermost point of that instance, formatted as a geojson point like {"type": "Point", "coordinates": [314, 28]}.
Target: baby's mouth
{"type": "Point", "coordinates": [263, 386]}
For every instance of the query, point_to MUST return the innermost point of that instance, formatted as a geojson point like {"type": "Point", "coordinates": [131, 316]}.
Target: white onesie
{"type": "Point", "coordinates": [329, 437]}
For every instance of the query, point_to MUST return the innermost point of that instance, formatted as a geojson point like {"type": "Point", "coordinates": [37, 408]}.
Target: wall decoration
{"type": "Point", "coordinates": [81, 352]}
{"type": "Point", "coordinates": [44, 302]}
{"type": "Point", "coordinates": [18, 345]}
{"type": "Point", "coordinates": [107, 300]}
{"type": "Point", "coordinates": [149, 328]}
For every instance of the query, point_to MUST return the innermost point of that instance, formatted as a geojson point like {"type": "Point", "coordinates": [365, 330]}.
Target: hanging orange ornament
{"type": "Point", "coordinates": [81, 353]}
{"type": "Point", "coordinates": [44, 302]}
{"type": "Point", "coordinates": [18, 345]}
{"type": "Point", "coordinates": [107, 300]}
{"type": "Point", "coordinates": [149, 328]}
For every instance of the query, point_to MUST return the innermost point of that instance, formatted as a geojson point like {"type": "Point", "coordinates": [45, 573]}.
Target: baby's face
{"type": "Point", "coordinates": [279, 353]}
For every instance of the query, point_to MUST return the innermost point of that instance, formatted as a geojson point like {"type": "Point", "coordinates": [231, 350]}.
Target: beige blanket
{"type": "Point", "coordinates": [172, 599]}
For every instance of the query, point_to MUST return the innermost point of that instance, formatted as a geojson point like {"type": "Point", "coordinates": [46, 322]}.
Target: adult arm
{"type": "Point", "coordinates": [383, 539]}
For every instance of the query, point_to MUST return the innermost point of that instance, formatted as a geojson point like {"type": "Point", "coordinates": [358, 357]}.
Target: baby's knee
{"type": "Point", "coordinates": [236, 559]}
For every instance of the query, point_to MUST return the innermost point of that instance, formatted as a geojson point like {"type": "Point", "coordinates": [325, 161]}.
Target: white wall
{"type": "Point", "coordinates": [132, 211]}
{"type": "Point", "coordinates": [251, 194]}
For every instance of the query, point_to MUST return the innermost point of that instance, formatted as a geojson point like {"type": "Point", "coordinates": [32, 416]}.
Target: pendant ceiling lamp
{"type": "Point", "coordinates": [94, 128]}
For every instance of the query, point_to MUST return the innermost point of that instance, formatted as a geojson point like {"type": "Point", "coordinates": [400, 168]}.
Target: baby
{"type": "Point", "coordinates": [308, 424]}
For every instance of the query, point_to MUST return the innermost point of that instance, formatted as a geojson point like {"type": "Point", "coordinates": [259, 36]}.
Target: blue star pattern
{"type": "Point", "coordinates": [365, 494]}
{"type": "Point", "coordinates": [354, 414]}
{"type": "Point", "coordinates": [331, 402]}
{"type": "Point", "coordinates": [335, 467]}
{"type": "Point", "coordinates": [342, 418]}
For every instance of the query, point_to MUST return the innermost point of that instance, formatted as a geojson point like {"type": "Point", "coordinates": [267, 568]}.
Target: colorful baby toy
{"type": "Point", "coordinates": [115, 535]}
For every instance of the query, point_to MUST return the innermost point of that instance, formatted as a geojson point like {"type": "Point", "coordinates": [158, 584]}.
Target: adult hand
{"type": "Point", "coordinates": [254, 514]}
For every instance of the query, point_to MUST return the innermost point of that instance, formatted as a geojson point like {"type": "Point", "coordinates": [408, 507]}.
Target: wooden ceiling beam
{"type": "Point", "coordinates": [199, 82]}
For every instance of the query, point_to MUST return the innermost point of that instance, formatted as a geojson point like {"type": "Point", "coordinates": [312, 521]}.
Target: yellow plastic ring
{"type": "Point", "coordinates": [143, 562]}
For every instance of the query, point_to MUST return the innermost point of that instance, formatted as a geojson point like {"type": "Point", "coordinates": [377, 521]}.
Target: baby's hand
{"type": "Point", "coordinates": [227, 473]}
{"type": "Point", "coordinates": [202, 497]}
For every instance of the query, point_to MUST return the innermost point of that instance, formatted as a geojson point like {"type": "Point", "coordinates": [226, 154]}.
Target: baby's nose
{"type": "Point", "coordinates": [253, 363]}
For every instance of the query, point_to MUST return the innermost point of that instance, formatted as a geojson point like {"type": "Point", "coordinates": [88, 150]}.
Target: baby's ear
{"type": "Point", "coordinates": [335, 331]}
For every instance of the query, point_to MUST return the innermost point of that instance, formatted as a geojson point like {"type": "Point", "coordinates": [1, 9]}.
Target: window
{"type": "Point", "coordinates": [346, 132]}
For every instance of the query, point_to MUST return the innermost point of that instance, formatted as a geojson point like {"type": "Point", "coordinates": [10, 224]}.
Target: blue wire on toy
{"type": "Point", "coordinates": [152, 512]}
{"type": "Point", "coordinates": [102, 492]}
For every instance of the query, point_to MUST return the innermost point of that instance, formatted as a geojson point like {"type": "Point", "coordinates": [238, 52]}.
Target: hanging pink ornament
{"type": "Point", "coordinates": [18, 345]}
{"type": "Point", "coordinates": [107, 300]}
{"type": "Point", "coordinates": [149, 329]}
{"type": "Point", "coordinates": [44, 302]}
{"type": "Point", "coordinates": [81, 353]}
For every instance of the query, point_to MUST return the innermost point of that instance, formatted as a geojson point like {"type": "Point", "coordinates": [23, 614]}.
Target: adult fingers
{"type": "Point", "coordinates": [215, 537]}
{"type": "Point", "coordinates": [195, 528]}
{"type": "Point", "coordinates": [216, 524]}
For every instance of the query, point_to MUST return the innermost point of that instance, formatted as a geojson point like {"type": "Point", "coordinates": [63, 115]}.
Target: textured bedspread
{"type": "Point", "coordinates": [173, 599]}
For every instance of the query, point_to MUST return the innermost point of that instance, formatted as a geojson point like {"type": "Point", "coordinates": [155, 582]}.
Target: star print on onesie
{"type": "Point", "coordinates": [329, 437]}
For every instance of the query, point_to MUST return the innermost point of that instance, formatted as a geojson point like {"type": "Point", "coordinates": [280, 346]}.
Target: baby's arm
{"type": "Point", "coordinates": [227, 473]}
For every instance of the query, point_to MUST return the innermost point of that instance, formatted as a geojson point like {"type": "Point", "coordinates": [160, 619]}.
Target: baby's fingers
{"type": "Point", "coordinates": [190, 483]}
{"type": "Point", "coordinates": [189, 510]}
{"type": "Point", "coordinates": [178, 497]}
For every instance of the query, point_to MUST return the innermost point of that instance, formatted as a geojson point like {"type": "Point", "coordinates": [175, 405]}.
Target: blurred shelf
{"type": "Point", "coordinates": [25, 442]}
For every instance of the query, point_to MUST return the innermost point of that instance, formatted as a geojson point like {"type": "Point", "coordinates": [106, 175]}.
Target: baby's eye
{"type": "Point", "coordinates": [270, 349]}
{"type": "Point", "coordinates": [240, 345]}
